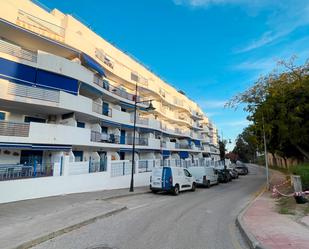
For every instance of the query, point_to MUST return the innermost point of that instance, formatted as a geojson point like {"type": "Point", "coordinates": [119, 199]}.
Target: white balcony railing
{"type": "Point", "coordinates": [33, 92]}
{"type": "Point", "coordinates": [14, 129]}
{"type": "Point", "coordinates": [40, 26]}
{"type": "Point", "coordinates": [14, 50]}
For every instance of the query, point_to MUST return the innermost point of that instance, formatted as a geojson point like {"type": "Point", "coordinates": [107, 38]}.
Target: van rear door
{"type": "Point", "coordinates": [167, 178]}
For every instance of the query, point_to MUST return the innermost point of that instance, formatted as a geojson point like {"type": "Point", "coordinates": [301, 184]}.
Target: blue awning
{"type": "Point", "coordinates": [35, 146]}
{"type": "Point", "coordinates": [183, 154]}
{"type": "Point", "coordinates": [166, 153]}
{"type": "Point", "coordinates": [93, 64]}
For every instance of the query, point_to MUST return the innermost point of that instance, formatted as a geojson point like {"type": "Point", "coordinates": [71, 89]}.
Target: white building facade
{"type": "Point", "coordinates": [67, 109]}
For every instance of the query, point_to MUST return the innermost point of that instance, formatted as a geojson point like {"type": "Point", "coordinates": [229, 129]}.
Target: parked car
{"type": "Point", "coordinates": [242, 169]}
{"type": "Point", "coordinates": [205, 176]}
{"type": "Point", "coordinates": [224, 176]}
{"type": "Point", "coordinates": [233, 173]}
{"type": "Point", "coordinates": [171, 179]}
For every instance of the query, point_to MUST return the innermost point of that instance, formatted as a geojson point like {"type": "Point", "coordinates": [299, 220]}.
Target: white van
{"type": "Point", "coordinates": [205, 176]}
{"type": "Point", "coordinates": [171, 179]}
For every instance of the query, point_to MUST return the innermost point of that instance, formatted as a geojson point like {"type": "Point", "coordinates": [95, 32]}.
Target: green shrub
{"type": "Point", "coordinates": [303, 172]}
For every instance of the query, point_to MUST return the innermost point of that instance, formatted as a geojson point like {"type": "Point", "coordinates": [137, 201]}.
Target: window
{"type": "Point", "coordinates": [105, 109]}
{"type": "Point", "coordinates": [68, 115]}
{"type": "Point", "coordinates": [78, 155]}
{"type": "Point", "coordinates": [80, 124]}
{"type": "Point", "coordinates": [187, 173]}
{"type": "Point", "coordinates": [104, 129]}
{"type": "Point", "coordinates": [2, 116]}
{"type": "Point", "coordinates": [34, 119]}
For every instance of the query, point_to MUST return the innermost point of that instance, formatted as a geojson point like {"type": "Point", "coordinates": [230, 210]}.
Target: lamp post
{"type": "Point", "coordinates": [149, 108]}
{"type": "Point", "coordinates": [265, 155]}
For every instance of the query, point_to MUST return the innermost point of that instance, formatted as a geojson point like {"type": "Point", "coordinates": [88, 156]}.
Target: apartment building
{"type": "Point", "coordinates": [67, 108]}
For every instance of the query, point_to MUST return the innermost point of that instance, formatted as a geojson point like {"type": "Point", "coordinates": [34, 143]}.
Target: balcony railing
{"type": "Point", "coordinates": [14, 129]}
{"type": "Point", "coordinates": [140, 120]}
{"type": "Point", "coordinates": [11, 49]}
{"type": "Point", "coordinates": [182, 146]}
{"type": "Point", "coordinates": [19, 171]}
{"type": "Point", "coordinates": [113, 89]}
{"type": "Point", "coordinates": [116, 139]}
{"type": "Point", "coordinates": [33, 92]}
{"type": "Point", "coordinates": [98, 108]}
{"type": "Point", "coordinates": [40, 26]}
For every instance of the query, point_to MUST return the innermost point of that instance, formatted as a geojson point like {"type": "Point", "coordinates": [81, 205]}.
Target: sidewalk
{"type": "Point", "coordinates": [33, 221]}
{"type": "Point", "coordinates": [266, 228]}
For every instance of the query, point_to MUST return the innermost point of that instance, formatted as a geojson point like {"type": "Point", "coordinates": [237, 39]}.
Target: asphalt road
{"type": "Point", "coordinates": [204, 219]}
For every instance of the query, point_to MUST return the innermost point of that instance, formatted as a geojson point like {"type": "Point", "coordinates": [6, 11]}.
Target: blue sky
{"type": "Point", "coordinates": [211, 49]}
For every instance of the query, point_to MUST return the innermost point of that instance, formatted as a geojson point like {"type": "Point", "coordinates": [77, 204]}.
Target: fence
{"type": "Point", "coordinates": [14, 50]}
{"type": "Point", "coordinates": [33, 92]}
{"type": "Point", "coordinates": [18, 171]}
{"type": "Point", "coordinates": [121, 168]}
{"type": "Point", "coordinates": [113, 89]}
{"type": "Point", "coordinates": [40, 26]}
{"type": "Point", "coordinates": [116, 139]}
{"type": "Point", "coordinates": [147, 165]}
{"type": "Point", "coordinates": [14, 129]}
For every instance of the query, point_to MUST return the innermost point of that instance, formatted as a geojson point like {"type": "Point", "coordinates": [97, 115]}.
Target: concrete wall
{"type": "Point", "coordinates": [59, 185]}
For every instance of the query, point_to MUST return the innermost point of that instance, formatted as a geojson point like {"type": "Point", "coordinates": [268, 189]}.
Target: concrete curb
{"type": "Point", "coordinates": [124, 195]}
{"type": "Point", "coordinates": [67, 229]}
{"type": "Point", "coordinates": [252, 241]}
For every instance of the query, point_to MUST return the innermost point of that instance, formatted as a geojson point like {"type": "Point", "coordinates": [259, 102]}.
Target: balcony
{"type": "Point", "coordinates": [40, 26]}
{"type": "Point", "coordinates": [140, 120]}
{"type": "Point", "coordinates": [33, 92]}
{"type": "Point", "coordinates": [16, 51]}
{"type": "Point", "coordinates": [14, 129]}
{"type": "Point", "coordinates": [98, 108]}
{"type": "Point", "coordinates": [113, 89]}
{"type": "Point", "coordinates": [116, 139]}
{"type": "Point", "coordinates": [182, 146]}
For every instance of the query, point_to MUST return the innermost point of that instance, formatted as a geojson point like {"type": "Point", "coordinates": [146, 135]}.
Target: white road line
{"type": "Point", "coordinates": [140, 206]}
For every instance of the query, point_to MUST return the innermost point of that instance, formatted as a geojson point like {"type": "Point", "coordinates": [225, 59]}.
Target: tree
{"type": "Point", "coordinates": [279, 104]}
{"type": "Point", "coordinates": [246, 145]}
{"type": "Point", "coordinates": [222, 149]}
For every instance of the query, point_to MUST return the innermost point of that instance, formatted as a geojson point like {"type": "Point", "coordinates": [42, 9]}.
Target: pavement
{"type": "Point", "coordinates": [26, 223]}
{"type": "Point", "coordinates": [265, 228]}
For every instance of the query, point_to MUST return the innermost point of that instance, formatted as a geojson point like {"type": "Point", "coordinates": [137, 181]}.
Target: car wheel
{"type": "Point", "coordinates": [154, 191]}
{"type": "Point", "coordinates": [176, 190]}
{"type": "Point", "coordinates": [208, 184]}
{"type": "Point", "coordinates": [193, 187]}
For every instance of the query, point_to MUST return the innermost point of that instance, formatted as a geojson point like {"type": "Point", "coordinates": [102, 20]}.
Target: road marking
{"type": "Point", "coordinates": [234, 240]}
{"type": "Point", "coordinates": [139, 206]}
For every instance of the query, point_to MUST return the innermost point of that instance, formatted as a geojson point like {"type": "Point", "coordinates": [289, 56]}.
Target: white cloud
{"type": "Point", "coordinates": [261, 65]}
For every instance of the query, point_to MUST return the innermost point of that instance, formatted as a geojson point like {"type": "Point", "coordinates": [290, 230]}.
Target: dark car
{"type": "Point", "coordinates": [242, 169]}
{"type": "Point", "coordinates": [233, 173]}
{"type": "Point", "coordinates": [224, 176]}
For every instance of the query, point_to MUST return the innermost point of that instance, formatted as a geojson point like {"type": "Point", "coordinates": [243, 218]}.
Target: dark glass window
{"type": "Point", "coordinates": [80, 124]}
{"type": "Point", "coordinates": [34, 119]}
{"type": "Point", "coordinates": [2, 116]}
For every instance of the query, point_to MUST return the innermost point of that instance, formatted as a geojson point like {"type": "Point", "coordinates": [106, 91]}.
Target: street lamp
{"type": "Point", "coordinates": [265, 154]}
{"type": "Point", "coordinates": [148, 109]}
